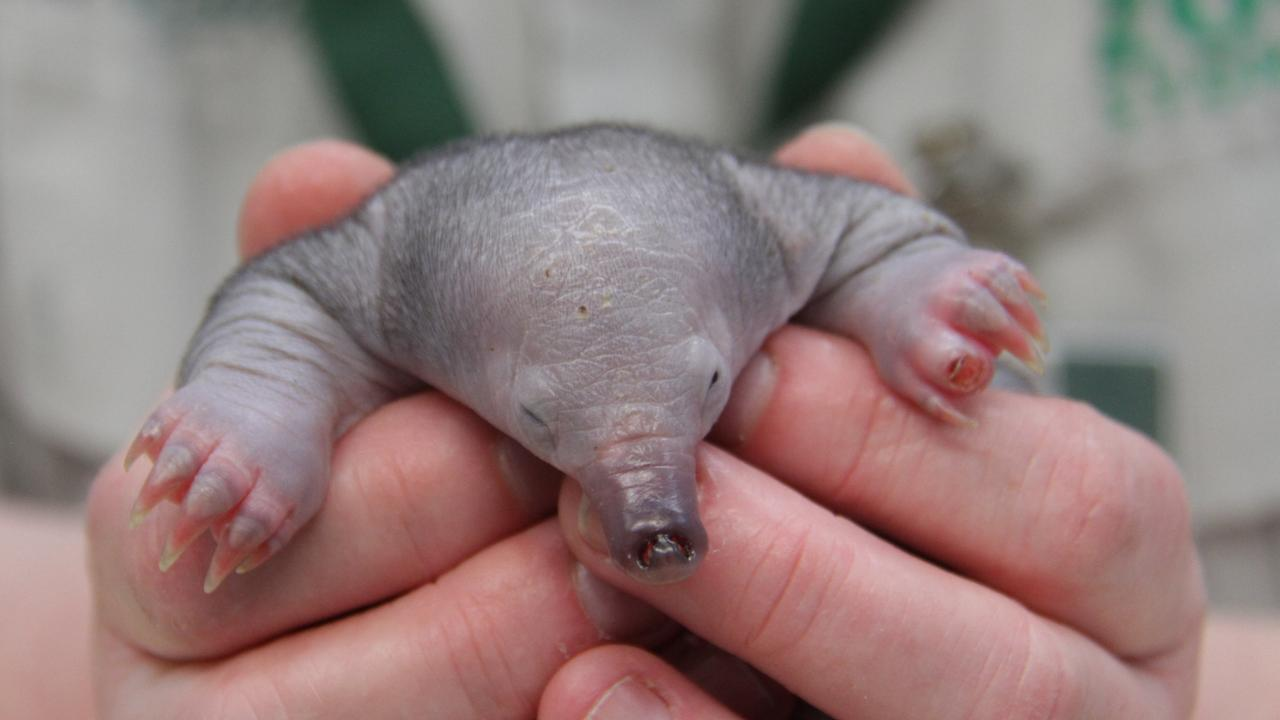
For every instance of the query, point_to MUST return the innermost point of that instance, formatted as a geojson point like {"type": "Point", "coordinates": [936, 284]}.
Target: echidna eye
{"type": "Point", "coordinates": [532, 416]}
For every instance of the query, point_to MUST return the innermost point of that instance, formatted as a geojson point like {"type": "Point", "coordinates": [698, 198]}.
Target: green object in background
{"type": "Point", "coordinates": [1160, 56]}
{"type": "Point", "coordinates": [394, 80]}
{"type": "Point", "coordinates": [388, 73]}
{"type": "Point", "coordinates": [1127, 391]}
{"type": "Point", "coordinates": [827, 37]}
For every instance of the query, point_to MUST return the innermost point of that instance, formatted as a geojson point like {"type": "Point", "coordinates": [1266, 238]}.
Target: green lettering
{"type": "Point", "coordinates": [1130, 64]}
{"type": "Point", "coordinates": [1221, 45]}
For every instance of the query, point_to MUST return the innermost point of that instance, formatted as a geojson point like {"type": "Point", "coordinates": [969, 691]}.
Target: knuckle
{"type": "Point", "coordinates": [1031, 680]}
{"type": "Point", "coordinates": [250, 697]}
{"type": "Point", "coordinates": [474, 649]}
{"type": "Point", "coordinates": [390, 486]}
{"type": "Point", "coordinates": [980, 311]}
{"type": "Point", "coordinates": [983, 264]}
{"type": "Point", "coordinates": [1046, 688]}
{"type": "Point", "coordinates": [793, 585]}
{"type": "Point", "coordinates": [1112, 495]}
{"type": "Point", "coordinates": [400, 480]}
{"type": "Point", "coordinates": [1165, 492]}
{"type": "Point", "coordinates": [177, 630]}
{"type": "Point", "coordinates": [1095, 495]}
{"type": "Point", "coordinates": [883, 442]}
{"type": "Point", "coordinates": [1102, 523]}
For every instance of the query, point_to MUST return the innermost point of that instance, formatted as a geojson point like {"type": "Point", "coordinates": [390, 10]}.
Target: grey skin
{"type": "Point", "coordinates": [592, 293]}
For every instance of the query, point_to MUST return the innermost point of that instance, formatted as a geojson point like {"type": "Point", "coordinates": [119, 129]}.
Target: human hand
{"type": "Point", "coordinates": [426, 585]}
{"type": "Point", "coordinates": [401, 514]}
{"type": "Point", "coordinates": [1040, 565]}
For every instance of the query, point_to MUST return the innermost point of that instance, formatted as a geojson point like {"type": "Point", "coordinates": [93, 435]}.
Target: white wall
{"type": "Point", "coordinates": [127, 137]}
{"type": "Point", "coordinates": [126, 141]}
{"type": "Point", "coordinates": [1157, 238]}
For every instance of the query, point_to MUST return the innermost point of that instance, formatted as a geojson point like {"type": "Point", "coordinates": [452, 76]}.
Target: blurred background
{"type": "Point", "coordinates": [1128, 150]}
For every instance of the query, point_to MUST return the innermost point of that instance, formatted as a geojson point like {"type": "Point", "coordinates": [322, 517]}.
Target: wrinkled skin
{"type": "Point", "coordinates": [593, 293]}
{"type": "Point", "coordinates": [1038, 565]}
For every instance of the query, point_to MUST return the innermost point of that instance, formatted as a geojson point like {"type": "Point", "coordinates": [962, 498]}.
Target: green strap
{"type": "Point", "coordinates": [395, 85]}
{"type": "Point", "coordinates": [827, 37]}
{"type": "Point", "coordinates": [388, 73]}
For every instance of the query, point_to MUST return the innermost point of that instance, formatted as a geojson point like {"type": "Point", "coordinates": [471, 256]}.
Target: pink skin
{"type": "Point", "coordinates": [1091, 612]}
{"type": "Point", "coordinates": [617, 678]}
{"type": "Point", "coordinates": [209, 464]}
{"type": "Point", "coordinates": [214, 477]}
{"type": "Point", "coordinates": [1048, 518]}
{"type": "Point", "coordinates": [939, 345]}
{"type": "Point", "coordinates": [243, 445]}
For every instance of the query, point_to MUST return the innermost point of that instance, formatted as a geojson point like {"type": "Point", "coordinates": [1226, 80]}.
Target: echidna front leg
{"type": "Point", "coordinates": [934, 314]}
{"type": "Point", "coordinates": [243, 445]}
{"type": "Point", "coordinates": [898, 277]}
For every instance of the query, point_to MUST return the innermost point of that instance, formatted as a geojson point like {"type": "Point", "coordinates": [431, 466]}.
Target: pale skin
{"type": "Point", "coordinates": [1235, 679]}
{"type": "Point", "coordinates": [1071, 581]}
{"type": "Point", "coordinates": [591, 292]}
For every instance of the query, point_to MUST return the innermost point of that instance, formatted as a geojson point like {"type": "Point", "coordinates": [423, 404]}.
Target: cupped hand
{"type": "Point", "coordinates": [430, 584]}
{"type": "Point", "coordinates": [1039, 563]}
{"type": "Point", "coordinates": [880, 564]}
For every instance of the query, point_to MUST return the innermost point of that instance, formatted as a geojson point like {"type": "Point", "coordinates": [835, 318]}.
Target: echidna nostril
{"type": "Point", "coordinates": [664, 549]}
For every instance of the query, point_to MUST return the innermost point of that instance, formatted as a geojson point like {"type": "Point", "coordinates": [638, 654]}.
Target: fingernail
{"type": "Point", "coordinates": [1043, 341]}
{"type": "Point", "coordinates": [841, 126]}
{"type": "Point", "coordinates": [245, 533]}
{"type": "Point", "coordinates": [629, 699]}
{"type": "Point", "coordinates": [132, 454]}
{"type": "Point", "coordinates": [175, 462]}
{"type": "Point", "coordinates": [218, 572]}
{"type": "Point", "coordinates": [615, 614]}
{"type": "Point", "coordinates": [534, 483]}
{"type": "Point", "coordinates": [258, 557]}
{"type": "Point", "coordinates": [1032, 287]}
{"type": "Point", "coordinates": [213, 579]}
{"type": "Point", "coordinates": [1036, 363]}
{"type": "Point", "coordinates": [149, 433]}
{"type": "Point", "coordinates": [589, 527]}
{"type": "Point", "coordinates": [138, 514]}
{"type": "Point", "coordinates": [751, 394]}
{"type": "Point", "coordinates": [249, 565]}
{"type": "Point", "coordinates": [208, 496]}
{"type": "Point", "coordinates": [173, 551]}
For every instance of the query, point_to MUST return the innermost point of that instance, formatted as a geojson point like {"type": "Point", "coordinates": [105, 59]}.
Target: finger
{"type": "Point", "coordinates": [729, 679]}
{"type": "Point", "coordinates": [618, 682]}
{"type": "Point", "coordinates": [481, 643]}
{"type": "Point", "coordinates": [1045, 500]}
{"type": "Point", "coordinates": [860, 628]}
{"type": "Point", "coordinates": [843, 150]}
{"type": "Point", "coordinates": [417, 487]}
{"type": "Point", "coordinates": [43, 599]}
{"type": "Point", "coordinates": [305, 187]}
